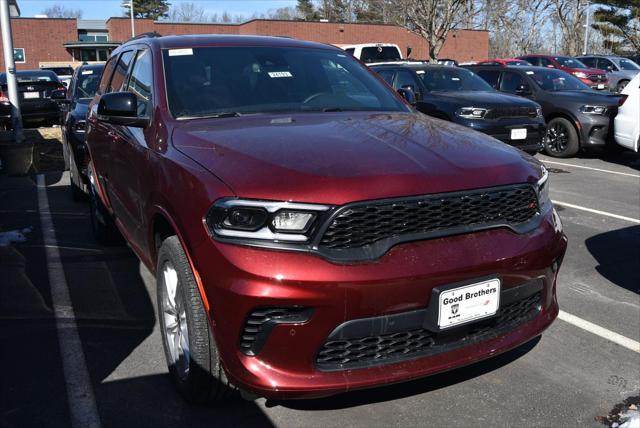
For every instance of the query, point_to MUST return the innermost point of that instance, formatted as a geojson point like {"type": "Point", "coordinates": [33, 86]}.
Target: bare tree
{"type": "Point", "coordinates": [433, 19]}
{"type": "Point", "coordinates": [187, 12]}
{"type": "Point", "coordinates": [571, 16]}
{"type": "Point", "coordinates": [59, 11]}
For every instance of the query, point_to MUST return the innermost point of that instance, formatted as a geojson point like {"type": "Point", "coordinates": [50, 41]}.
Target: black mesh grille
{"type": "Point", "coordinates": [597, 77]}
{"type": "Point", "coordinates": [386, 348]}
{"type": "Point", "coordinates": [509, 112]}
{"type": "Point", "coordinates": [364, 224]}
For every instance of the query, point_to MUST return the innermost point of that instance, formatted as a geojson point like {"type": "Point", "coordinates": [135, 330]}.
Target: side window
{"type": "Point", "coordinates": [605, 64]}
{"type": "Point", "coordinates": [140, 82]}
{"type": "Point", "coordinates": [589, 62]}
{"type": "Point", "coordinates": [405, 79]}
{"type": "Point", "coordinates": [511, 81]}
{"type": "Point", "coordinates": [106, 75]}
{"type": "Point", "coordinates": [387, 75]}
{"type": "Point", "coordinates": [119, 75]}
{"type": "Point", "coordinates": [544, 62]}
{"type": "Point", "coordinates": [531, 60]}
{"type": "Point", "coordinates": [490, 76]}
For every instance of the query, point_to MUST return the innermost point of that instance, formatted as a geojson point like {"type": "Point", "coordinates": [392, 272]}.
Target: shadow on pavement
{"type": "Point", "coordinates": [407, 389]}
{"type": "Point", "coordinates": [618, 255]}
{"type": "Point", "coordinates": [616, 155]}
{"type": "Point", "coordinates": [114, 313]}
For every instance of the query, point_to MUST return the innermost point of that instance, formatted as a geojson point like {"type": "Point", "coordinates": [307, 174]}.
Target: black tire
{"type": "Point", "coordinates": [102, 225]}
{"type": "Point", "coordinates": [203, 380]}
{"type": "Point", "coordinates": [66, 155]}
{"type": "Point", "coordinates": [561, 140]}
{"type": "Point", "coordinates": [621, 85]}
{"type": "Point", "coordinates": [76, 185]}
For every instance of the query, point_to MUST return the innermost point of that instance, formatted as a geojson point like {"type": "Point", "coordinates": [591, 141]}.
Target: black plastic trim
{"type": "Point", "coordinates": [296, 315]}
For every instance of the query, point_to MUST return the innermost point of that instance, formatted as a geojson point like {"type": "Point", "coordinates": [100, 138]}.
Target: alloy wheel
{"type": "Point", "coordinates": [175, 321]}
{"type": "Point", "coordinates": [557, 138]}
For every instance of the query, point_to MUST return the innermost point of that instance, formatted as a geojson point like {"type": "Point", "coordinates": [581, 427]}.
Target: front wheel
{"type": "Point", "coordinates": [562, 138]}
{"type": "Point", "coordinates": [189, 346]}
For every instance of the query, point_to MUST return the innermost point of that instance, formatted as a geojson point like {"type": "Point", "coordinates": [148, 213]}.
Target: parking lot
{"type": "Point", "coordinates": [56, 281]}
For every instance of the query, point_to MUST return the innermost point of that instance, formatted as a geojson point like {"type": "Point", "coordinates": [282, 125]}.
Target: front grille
{"type": "Point", "coordinates": [597, 77]}
{"type": "Point", "coordinates": [511, 112]}
{"type": "Point", "coordinates": [400, 346]}
{"type": "Point", "coordinates": [363, 224]}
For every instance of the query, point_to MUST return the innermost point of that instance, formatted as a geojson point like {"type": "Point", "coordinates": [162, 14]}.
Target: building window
{"type": "Point", "coordinates": [93, 37]}
{"type": "Point", "coordinates": [18, 55]}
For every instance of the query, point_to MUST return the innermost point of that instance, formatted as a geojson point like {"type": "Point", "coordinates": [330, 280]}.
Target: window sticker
{"type": "Point", "coordinates": [455, 78]}
{"type": "Point", "coordinates": [277, 74]}
{"type": "Point", "coordinates": [180, 52]}
{"type": "Point", "coordinates": [420, 71]}
{"type": "Point", "coordinates": [85, 72]}
{"type": "Point", "coordinates": [529, 72]}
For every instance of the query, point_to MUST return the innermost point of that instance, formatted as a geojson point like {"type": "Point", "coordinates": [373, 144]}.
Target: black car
{"type": "Point", "coordinates": [458, 95]}
{"type": "Point", "coordinates": [81, 90]}
{"type": "Point", "coordinates": [35, 88]}
{"type": "Point", "coordinates": [578, 117]}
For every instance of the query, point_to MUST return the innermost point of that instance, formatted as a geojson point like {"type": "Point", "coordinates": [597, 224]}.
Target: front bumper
{"type": "Point", "coordinates": [500, 129]}
{"type": "Point", "coordinates": [596, 130]}
{"type": "Point", "coordinates": [601, 85]}
{"type": "Point", "coordinates": [237, 280]}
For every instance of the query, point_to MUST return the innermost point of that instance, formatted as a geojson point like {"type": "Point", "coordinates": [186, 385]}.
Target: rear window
{"type": "Point", "coordinates": [87, 82]}
{"type": "Point", "coordinates": [249, 80]}
{"type": "Point", "coordinates": [31, 76]}
{"type": "Point", "coordinates": [380, 53]}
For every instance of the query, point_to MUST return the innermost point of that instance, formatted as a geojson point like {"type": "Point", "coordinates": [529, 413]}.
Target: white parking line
{"type": "Point", "coordinates": [600, 331]}
{"type": "Point", "coordinates": [608, 171]}
{"type": "Point", "coordinates": [82, 403]}
{"type": "Point", "coordinates": [591, 210]}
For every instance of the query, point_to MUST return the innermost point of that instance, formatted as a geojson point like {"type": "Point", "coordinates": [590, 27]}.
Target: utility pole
{"type": "Point", "coordinates": [586, 31]}
{"type": "Point", "coordinates": [129, 4]}
{"type": "Point", "coordinates": [12, 86]}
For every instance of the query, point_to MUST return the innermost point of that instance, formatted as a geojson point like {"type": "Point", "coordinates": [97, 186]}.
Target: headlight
{"type": "Point", "coordinates": [471, 112]}
{"type": "Point", "coordinates": [539, 112]}
{"type": "Point", "coordinates": [543, 189]}
{"type": "Point", "coordinates": [267, 221]}
{"type": "Point", "coordinates": [580, 74]}
{"type": "Point", "coordinates": [592, 109]}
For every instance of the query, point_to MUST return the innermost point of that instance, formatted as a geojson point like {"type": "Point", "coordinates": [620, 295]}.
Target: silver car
{"type": "Point", "coordinates": [620, 70]}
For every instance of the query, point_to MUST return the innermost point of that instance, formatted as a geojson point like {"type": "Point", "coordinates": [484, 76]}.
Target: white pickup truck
{"type": "Point", "coordinates": [374, 52]}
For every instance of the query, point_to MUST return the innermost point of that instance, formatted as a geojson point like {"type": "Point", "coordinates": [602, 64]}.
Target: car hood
{"type": "Point", "coordinates": [335, 158]}
{"type": "Point", "coordinates": [487, 99]}
{"type": "Point", "coordinates": [585, 70]}
{"type": "Point", "coordinates": [588, 97]}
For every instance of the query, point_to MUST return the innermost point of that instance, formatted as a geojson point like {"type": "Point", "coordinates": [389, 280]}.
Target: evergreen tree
{"type": "Point", "coordinates": [150, 9]}
{"type": "Point", "coordinates": [307, 10]}
{"type": "Point", "coordinates": [619, 23]}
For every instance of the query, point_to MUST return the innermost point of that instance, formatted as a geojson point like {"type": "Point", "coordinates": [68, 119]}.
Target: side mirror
{"type": "Point", "coordinates": [523, 90]}
{"type": "Point", "coordinates": [408, 95]}
{"type": "Point", "coordinates": [609, 68]}
{"type": "Point", "coordinates": [65, 84]}
{"type": "Point", "coordinates": [121, 108]}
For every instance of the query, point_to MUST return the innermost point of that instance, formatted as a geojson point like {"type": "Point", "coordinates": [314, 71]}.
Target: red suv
{"type": "Point", "coordinates": [311, 233]}
{"type": "Point", "coordinates": [594, 77]}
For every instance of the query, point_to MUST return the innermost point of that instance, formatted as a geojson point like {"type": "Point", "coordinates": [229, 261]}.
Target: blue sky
{"type": "Point", "coordinates": [102, 9]}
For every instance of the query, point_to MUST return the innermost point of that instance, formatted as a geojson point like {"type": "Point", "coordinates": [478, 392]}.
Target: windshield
{"type": "Point", "coordinates": [627, 64]}
{"type": "Point", "coordinates": [452, 79]}
{"type": "Point", "coordinates": [213, 80]}
{"type": "Point", "coordinates": [380, 54]}
{"type": "Point", "coordinates": [60, 71]}
{"type": "Point", "coordinates": [556, 80]}
{"type": "Point", "coordinates": [569, 62]}
{"type": "Point", "coordinates": [88, 81]}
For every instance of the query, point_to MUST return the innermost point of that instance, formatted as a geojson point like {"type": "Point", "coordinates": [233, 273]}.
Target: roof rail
{"type": "Point", "coordinates": [147, 35]}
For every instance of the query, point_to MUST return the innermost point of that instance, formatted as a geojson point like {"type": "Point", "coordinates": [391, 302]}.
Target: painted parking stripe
{"type": "Point", "coordinates": [608, 171]}
{"type": "Point", "coordinates": [591, 210]}
{"type": "Point", "coordinates": [82, 403]}
{"type": "Point", "coordinates": [600, 331]}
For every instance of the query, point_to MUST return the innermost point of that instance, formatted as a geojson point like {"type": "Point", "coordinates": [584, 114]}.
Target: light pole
{"type": "Point", "coordinates": [12, 86]}
{"type": "Point", "coordinates": [586, 31]}
{"type": "Point", "coordinates": [129, 4]}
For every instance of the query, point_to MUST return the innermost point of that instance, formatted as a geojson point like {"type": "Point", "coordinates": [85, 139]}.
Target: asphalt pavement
{"type": "Point", "coordinates": [577, 371]}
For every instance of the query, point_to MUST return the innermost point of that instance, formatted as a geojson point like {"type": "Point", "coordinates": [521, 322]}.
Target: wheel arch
{"type": "Point", "coordinates": [570, 118]}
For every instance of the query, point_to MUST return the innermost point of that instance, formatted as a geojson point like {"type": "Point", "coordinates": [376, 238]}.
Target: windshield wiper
{"type": "Point", "coordinates": [213, 115]}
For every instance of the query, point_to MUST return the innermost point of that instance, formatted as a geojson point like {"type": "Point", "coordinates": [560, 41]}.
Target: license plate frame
{"type": "Point", "coordinates": [519, 134]}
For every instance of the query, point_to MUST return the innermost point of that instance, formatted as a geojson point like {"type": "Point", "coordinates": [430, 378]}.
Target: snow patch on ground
{"type": "Point", "coordinates": [11, 236]}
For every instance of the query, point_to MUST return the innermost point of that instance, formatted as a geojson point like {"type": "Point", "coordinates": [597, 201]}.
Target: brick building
{"type": "Point", "coordinates": [47, 41]}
